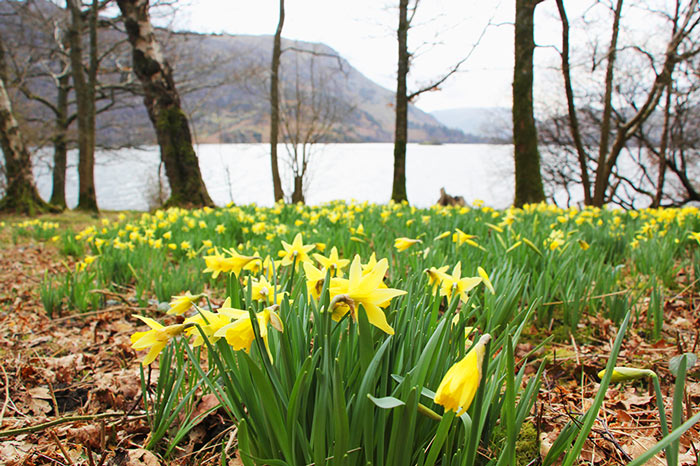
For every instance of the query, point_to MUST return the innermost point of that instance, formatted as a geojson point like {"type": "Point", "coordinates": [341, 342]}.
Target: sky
{"type": "Point", "coordinates": [362, 31]}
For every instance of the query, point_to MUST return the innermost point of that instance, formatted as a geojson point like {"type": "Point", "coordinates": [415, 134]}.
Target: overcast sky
{"type": "Point", "coordinates": [362, 31]}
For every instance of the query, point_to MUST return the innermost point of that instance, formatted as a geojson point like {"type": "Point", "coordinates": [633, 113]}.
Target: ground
{"type": "Point", "coordinates": [80, 371]}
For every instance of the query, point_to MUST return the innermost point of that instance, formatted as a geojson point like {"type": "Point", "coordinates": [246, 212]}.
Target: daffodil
{"type": "Point", "coordinates": [333, 263]}
{"type": "Point", "coordinates": [181, 304]}
{"type": "Point", "coordinates": [156, 339]}
{"type": "Point", "coordinates": [401, 244]}
{"type": "Point", "coordinates": [263, 290]}
{"type": "Point", "coordinates": [458, 387]}
{"type": "Point", "coordinates": [694, 235]}
{"type": "Point", "coordinates": [211, 322]}
{"type": "Point", "coordinates": [296, 252]}
{"type": "Point", "coordinates": [366, 290]}
{"type": "Point", "coordinates": [232, 262]}
{"type": "Point", "coordinates": [314, 280]}
{"type": "Point", "coordinates": [456, 285]}
{"type": "Point", "coordinates": [435, 276]}
{"type": "Point", "coordinates": [369, 266]}
{"type": "Point", "coordinates": [443, 235]}
{"type": "Point", "coordinates": [485, 278]}
{"type": "Point", "coordinates": [461, 237]}
{"type": "Point", "coordinates": [623, 374]}
{"type": "Point", "coordinates": [239, 333]}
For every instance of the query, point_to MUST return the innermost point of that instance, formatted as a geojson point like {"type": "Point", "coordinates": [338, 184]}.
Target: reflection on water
{"type": "Point", "coordinates": [128, 179]}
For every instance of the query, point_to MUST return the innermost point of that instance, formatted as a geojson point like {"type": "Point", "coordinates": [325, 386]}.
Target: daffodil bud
{"type": "Point", "coordinates": [623, 374]}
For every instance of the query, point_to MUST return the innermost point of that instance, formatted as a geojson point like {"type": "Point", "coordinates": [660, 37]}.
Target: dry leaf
{"type": "Point", "coordinates": [141, 457]}
{"type": "Point", "coordinates": [40, 393]}
{"type": "Point", "coordinates": [638, 446]}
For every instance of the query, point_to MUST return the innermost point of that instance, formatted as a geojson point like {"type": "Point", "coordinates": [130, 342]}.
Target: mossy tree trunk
{"type": "Point", "coordinates": [275, 106]}
{"type": "Point", "coordinates": [398, 190]}
{"type": "Point", "coordinates": [21, 195]}
{"type": "Point", "coordinates": [528, 178]}
{"type": "Point", "coordinates": [164, 109]}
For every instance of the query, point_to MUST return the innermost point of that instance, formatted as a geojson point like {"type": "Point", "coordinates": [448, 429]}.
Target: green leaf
{"type": "Point", "coordinates": [387, 402]}
{"type": "Point", "coordinates": [674, 363]}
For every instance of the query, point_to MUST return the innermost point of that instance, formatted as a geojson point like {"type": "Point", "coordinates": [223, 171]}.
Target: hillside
{"type": "Point", "coordinates": [486, 123]}
{"type": "Point", "coordinates": [235, 108]}
{"type": "Point", "coordinates": [223, 81]}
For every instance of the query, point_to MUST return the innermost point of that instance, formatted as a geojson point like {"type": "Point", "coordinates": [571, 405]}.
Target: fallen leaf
{"type": "Point", "coordinates": [640, 445]}
{"type": "Point", "coordinates": [141, 457]}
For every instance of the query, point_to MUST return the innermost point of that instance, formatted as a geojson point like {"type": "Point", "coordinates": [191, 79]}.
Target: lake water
{"type": "Point", "coordinates": [128, 179]}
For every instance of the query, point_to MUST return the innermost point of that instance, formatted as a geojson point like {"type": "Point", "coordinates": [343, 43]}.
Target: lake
{"type": "Point", "coordinates": [128, 179]}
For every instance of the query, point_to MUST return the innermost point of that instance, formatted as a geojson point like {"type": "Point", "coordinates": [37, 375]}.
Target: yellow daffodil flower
{"type": "Point", "coordinates": [263, 290]}
{"type": "Point", "coordinates": [239, 333]}
{"type": "Point", "coordinates": [369, 266]}
{"type": "Point", "coordinates": [181, 304]}
{"type": "Point", "coordinates": [458, 387]}
{"type": "Point", "coordinates": [366, 290]}
{"type": "Point", "coordinates": [695, 235]}
{"type": "Point", "coordinates": [211, 322]}
{"type": "Point", "coordinates": [233, 263]}
{"type": "Point", "coordinates": [156, 339]}
{"type": "Point", "coordinates": [314, 280]}
{"type": "Point", "coordinates": [485, 278]}
{"type": "Point", "coordinates": [461, 237]}
{"type": "Point", "coordinates": [443, 235]}
{"type": "Point", "coordinates": [296, 253]}
{"type": "Point", "coordinates": [333, 263]}
{"type": "Point", "coordinates": [435, 276]}
{"type": "Point", "coordinates": [401, 244]}
{"type": "Point", "coordinates": [456, 285]}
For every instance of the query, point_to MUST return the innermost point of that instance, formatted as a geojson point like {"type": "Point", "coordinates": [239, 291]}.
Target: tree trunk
{"type": "Point", "coordinates": [663, 149]}
{"type": "Point", "coordinates": [21, 195]}
{"type": "Point", "coordinates": [298, 194]}
{"type": "Point", "coordinates": [275, 106]}
{"type": "Point", "coordinates": [85, 100]}
{"type": "Point", "coordinates": [573, 118]}
{"type": "Point", "coordinates": [528, 179]}
{"type": "Point", "coordinates": [164, 109]}
{"type": "Point", "coordinates": [398, 190]}
{"type": "Point", "coordinates": [601, 180]}
{"type": "Point", "coordinates": [60, 146]}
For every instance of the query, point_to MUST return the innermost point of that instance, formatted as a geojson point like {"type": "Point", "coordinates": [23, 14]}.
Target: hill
{"type": "Point", "coordinates": [485, 123]}
{"type": "Point", "coordinates": [224, 80]}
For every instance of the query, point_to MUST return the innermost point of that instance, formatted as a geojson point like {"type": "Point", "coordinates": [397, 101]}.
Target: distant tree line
{"type": "Point", "coordinates": [633, 136]}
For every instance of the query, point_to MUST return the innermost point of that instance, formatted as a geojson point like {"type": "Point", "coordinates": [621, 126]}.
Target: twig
{"type": "Point", "coordinates": [34, 428]}
{"type": "Point", "coordinates": [607, 435]}
{"type": "Point", "coordinates": [54, 437]}
{"type": "Point", "coordinates": [7, 394]}
{"type": "Point", "coordinates": [53, 398]}
{"type": "Point", "coordinates": [573, 343]}
{"type": "Point", "coordinates": [53, 460]}
{"type": "Point", "coordinates": [92, 313]}
{"type": "Point", "coordinates": [600, 296]}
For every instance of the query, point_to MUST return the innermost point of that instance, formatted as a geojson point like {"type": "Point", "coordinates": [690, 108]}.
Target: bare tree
{"type": "Point", "coordinates": [312, 108]}
{"type": "Point", "coordinates": [617, 126]}
{"type": "Point", "coordinates": [407, 12]}
{"type": "Point", "coordinates": [275, 105]}
{"type": "Point", "coordinates": [84, 87]}
{"type": "Point", "coordinates": [164, 108]}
